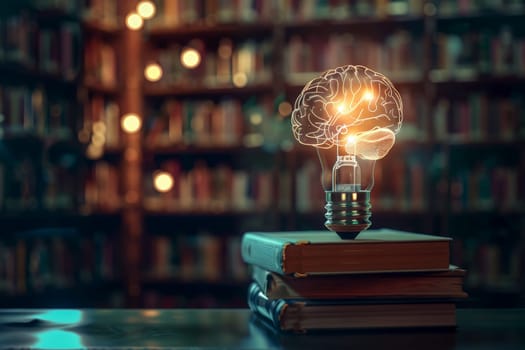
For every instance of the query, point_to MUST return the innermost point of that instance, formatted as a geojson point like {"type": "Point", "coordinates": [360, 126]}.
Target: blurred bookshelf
{"type": "Point", "coordinates": [58, 204]}
{"type": "Point", "coordinates": [221, 131]}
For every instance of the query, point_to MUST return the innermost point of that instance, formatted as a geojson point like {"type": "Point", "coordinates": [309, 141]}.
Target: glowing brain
{"type": "Point", "coordinates": [350, 106]}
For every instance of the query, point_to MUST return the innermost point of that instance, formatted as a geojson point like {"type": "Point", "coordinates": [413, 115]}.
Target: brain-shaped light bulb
{"type": "Point", "coordinates": [352, 107]}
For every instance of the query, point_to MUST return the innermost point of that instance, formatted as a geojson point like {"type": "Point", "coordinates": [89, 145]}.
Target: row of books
{"type": "Point", "coordinates": [404, 192]}
{"type": "Point", "coordinates": [293, 10]}
{"type": "Point", "coordinates": [30, 265]}
{"type": "Point", "coordinates": [314, 280]}
{"type": "Point", "coordinates": [50, 50]}
{"type": "Point", "coordinates": [496, 265]}
{"type": "Point", "coordinates": [486, 186]}
{"type": "Point", "coordinates": [200, 257]}
{"type": "Point", "coordinates": [100, 62]}
{"type": "Point", "coordinates": [468, 7]}
{"type": "Point", "coordinates": [398, 56]}
{"type": "Point", "coordinates": [34, 184]}
{"type": "Point", "coordinates": [467, 54]}
{"type": "Point", "coordinates": [100, 11]}
{"type": "Point", "coordinates": [101, 122]}
{"type": "Point", "coordinates": [228, 122]}
{"type": "Point", "coordinates": [20, 192]}
{"type": "Point", "coordinates": [228, 63]}
{"type": "Point", "coordinates": [174, 13]}
{"type": "Point", "coordinates": [72, 7]}
{"type": "Point", "coordinates": [415, 115]}
{"type": "Point", "coordinates": [30, 183]}
{"type": "Point", "coordinates": [32, 110]}
{"type": "Point", "coordinates": [211, 188]}
{"type": "Point", "coordinates": [479, 116]}
{"type": "Point", "coordinates": [102, 188]}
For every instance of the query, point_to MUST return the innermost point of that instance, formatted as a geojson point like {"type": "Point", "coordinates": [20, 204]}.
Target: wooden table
{"type": "Point", "coordinates": [238, 329]}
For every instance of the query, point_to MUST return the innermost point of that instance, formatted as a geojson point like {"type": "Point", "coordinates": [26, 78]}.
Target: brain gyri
{"type": "Point", "coordinates": [352, 107]}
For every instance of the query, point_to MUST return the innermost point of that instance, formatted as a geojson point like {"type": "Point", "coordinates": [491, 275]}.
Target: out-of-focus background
{"type": "Point", "coordinates": [135, 149]}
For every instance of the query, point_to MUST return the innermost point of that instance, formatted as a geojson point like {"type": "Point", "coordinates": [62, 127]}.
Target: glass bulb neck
{"type": "Point", "coordinates": [346, 174]}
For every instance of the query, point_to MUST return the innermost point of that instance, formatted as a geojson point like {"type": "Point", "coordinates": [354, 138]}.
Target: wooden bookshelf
{"type": "Point", "coordinates": [454, 152]}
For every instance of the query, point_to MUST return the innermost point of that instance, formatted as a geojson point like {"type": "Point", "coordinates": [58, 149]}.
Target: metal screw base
{"type": "Point", "coordinates": [347, 213]}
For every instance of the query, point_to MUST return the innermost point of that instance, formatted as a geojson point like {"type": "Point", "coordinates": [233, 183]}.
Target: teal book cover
{"type": "Point", "coordinates": [324, 252]}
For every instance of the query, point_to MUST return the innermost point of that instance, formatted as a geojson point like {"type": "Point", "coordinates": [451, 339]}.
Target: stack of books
{"type": "Point", "coordinates": [314, 280]}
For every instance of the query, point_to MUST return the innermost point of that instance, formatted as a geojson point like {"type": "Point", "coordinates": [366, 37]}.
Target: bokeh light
{"type": "Point", "coordinates": [285, 108]}
{"type": "Point", "coordinates": [190, 58]}
{"type": "Point", "coordinates": [134, 21]}
{"type": "Point", "coordinates": [162, 181]}
{"type": "Point", "coordinates": [153, 72]}
{"type": "Point", "coordinates": [240, 79]}
{"type": "Point", "coordinates": [146, 9]}
{"type": "Point", "coordinates": [131, 123]}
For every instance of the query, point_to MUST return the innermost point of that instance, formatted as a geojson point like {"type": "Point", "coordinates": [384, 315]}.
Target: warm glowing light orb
{"type": "Point", "coordinates": [256, 119]}
{"type": "Point", "coordinates": [94, 151]}
{"type": "Point", "coordinates": [240, 79]}
{"type": "Point", "coordinates": [134, 21]}
{"type": "Point", "coordinates": [368, 95]}
{"type": "Point", "coordinates": [190, 58]}
{"type": "Point", "coordinates": [131, 123]}
{"type": "Point", "coordinates": [146, 9]}
{"type": "Point", "coordinates": [285, 108]}
{"type": "Point", "coordinates": [98, 139]}
{"type": "Point", "coordinates": [99, 127]}
{"type": "Point", "coordinates": [153, 72]}
{"type": "Point", "coordinates": [163, 181]}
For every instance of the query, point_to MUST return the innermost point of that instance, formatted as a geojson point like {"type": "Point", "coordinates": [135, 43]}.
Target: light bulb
{"type": "Point", "coordinates": [351, 115]}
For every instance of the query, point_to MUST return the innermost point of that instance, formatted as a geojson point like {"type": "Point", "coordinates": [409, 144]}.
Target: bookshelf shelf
{"type": "Point", "coordinates": [447, 81]}
{"type": "Point", "coordinates": [488, 16]}
{"type": "Point", "coordinates": [100, 88]}
{"type": "Point", "coordinates": [488, 143]}
{"type": "Point", "coordinates": [359, 25]}
{"type": "Point", "coordinates": [102, 28]}
{"type": "Point", "coordinates": [496, 212]}
{"type": "Point", "coordinates": [204, 149]}
{"type": "Point", "coordinates": [295, 81]}
{"type": "Point", "coordinates": [20, 72]}
{"type": "Point", "coordinates": [69, 297]}
{"type": "Point", "coordinates": [198, 212]}
{"type": "Point", "coordinates": [211, 31]}
{"type": "Point", "coordinates": [206, 91]}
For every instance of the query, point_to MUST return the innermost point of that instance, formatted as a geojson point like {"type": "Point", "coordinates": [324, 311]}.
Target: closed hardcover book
{"type": "Point", "coordinates": [323, 252]}
{"type": "Point", "coordinates": [309, 315]}
{"type": "Point", "coordinates": [435, 284]}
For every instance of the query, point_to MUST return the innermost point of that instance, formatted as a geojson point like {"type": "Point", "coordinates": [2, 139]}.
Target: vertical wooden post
{"type": "Point", "coordinates": [130, 79]}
